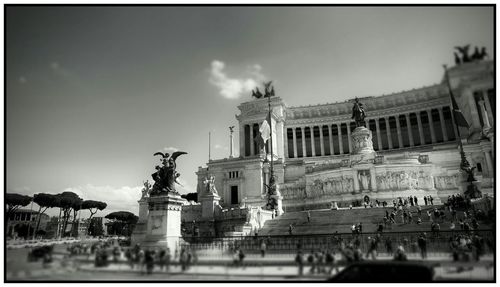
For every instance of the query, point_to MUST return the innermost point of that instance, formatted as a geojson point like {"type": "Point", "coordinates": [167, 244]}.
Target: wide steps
{"type": "Point", "coordinates": [328, 221]}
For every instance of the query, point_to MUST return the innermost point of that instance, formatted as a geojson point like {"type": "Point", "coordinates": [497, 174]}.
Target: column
{"type": "Point", "coordinates": [355, 179]}
{"type": "Point", "coordinates": [252, 146]}
{"type": "Point", "coordinates": [341, 147]}
{"type": "Point", "coordinates": [349, 136]}
{"type": "Point", "coordinates": [453, 122]}
{"type": "Point", "coordinates": [373, 179]}
{"type": "Point", "coordinates": [443, 126]}
{"type": "Point", "coordinates": [313, 148]}
{"type": "Point", "coordinates": [242, 139]}
{"type": "Point", "coordinates": [330, 139]}
{"type": "Point", "coordinates": [294, 133]}
{"type": "Point", "coordinates": [420, 129]}
{"type": "Point", "coordinates": [379, 138]}
{"type": "Point", "coordinates": [302, 129]}
{"type": "Point", "coordinates": [488, 106]}
{"type": "Point", "coordinates": [410, 132]}
{"type": "Point", "coordinates": [486, 121]}
{"type": "Point", "coordinates": [469, 96]}
{"type": "Point", "coordinates": [321, 143]}
{"type": "Point", "coordinates": [489, 163]}
{"type": "Point", "coordinates": [388, 130]}
{"type": "Point", "coordinates": [431, 126]}
{"type": "Point", "coordinates": [230, 143]}
{"type": "Point", "coordinates": [398, 128]}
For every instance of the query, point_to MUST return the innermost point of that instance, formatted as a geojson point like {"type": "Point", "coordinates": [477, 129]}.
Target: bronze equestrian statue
{"type": "Point", "coordinates": [358, 113]}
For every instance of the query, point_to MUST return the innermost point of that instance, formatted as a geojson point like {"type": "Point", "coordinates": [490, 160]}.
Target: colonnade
{"type": "Point", "coordinates": [430, 126]}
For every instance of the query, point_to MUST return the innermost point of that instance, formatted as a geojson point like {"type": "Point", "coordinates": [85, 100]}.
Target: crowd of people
{"type": "Point", "coordinates": [321, 262]}
{"type": "Point", "coordinates": [146, 260]}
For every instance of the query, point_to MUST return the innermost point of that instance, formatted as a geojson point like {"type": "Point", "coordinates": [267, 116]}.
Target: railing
{"type": "Point", "coordinates": [438, 242]}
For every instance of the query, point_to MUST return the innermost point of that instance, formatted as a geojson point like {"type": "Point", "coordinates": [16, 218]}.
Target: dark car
{"type": "Point", "coordinates": [385, 272]}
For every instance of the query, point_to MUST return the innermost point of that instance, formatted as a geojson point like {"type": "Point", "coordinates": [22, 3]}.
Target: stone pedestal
{"type": "Point", "coordinates": [141, 227]}
{"type": "Point", "coordinates": [209, 203]}
{"type": "Point", "coordinates": [164, 221]}
{"type": "Point", "coordinates": [362, 145]}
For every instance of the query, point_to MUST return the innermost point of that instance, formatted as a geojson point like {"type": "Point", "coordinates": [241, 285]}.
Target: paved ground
{"type": "Point", "coordinates": [268, 268]}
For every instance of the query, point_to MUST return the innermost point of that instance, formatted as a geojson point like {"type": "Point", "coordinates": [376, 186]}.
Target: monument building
{"type": "Point", "coordinates": [434, 141]}
{"type": "Point", "coordinates": [410, 146]}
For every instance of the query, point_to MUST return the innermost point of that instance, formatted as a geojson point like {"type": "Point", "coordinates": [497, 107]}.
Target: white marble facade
{"type": "Point", "coordinates": [413, 135]}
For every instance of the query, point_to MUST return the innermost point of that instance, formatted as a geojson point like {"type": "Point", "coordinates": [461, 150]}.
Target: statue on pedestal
{"type": "Point", "coordinates": [210, 185]}
{"type": "Point", "coordinates": [166, 176]}
{"type": "Point", "coordinates": [358, 113]}
{"type": "Point", "coordinates": [146, 189]}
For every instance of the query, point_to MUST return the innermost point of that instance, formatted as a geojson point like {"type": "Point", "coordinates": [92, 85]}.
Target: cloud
{"type": "Point", "coordinates": [218, 146]}
{"type": "Point", "coordinates": [26, 190]}
{"type": "Point", "coordinates": [117, 198]}
{"type": "Point", "coordinates": [234, 88]}
{"type": "Point", "coordinates": [169, 149]}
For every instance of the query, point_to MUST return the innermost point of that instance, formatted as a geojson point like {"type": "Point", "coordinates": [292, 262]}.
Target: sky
{"type": "Point", "coordinates": [93, 92]}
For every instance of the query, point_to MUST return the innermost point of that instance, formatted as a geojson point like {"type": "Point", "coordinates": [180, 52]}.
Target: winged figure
{"type": "Point", "coordinates": [166, 176]}
{"type": "Point", "coordinates": [268, 89]}
{"type": "Point", "coordinates": [465, 53]}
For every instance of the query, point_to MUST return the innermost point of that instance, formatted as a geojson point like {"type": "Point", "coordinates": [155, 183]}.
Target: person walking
{"type": "Point", "coordinates": [431, 199]}
{"type": "Point", "coordinates": [161, 258]}
{"type": "Point", "coordinates": [425, 200]}
{"type": "Point", "coordinates": [372, 249]}
{"type": "Point", "coordinates": [415, 200]}
{"type": "Point", "coordinates": [299, 259]}
{"type": "Point", "coordinates": [241, 257]}
{"type": "Point", "coordinates": [140, 258]}
{"type": "Point", "coordinates": [400, 254]}
{"type": "Point", "coordinates": [183, 259]}
{"type": "Point", "coordinates": [167, 259]}
{"type": "Point", "coordinates": [263, 249]}
{"type": "Point", "coordinates": [330, 261]}
{"type": "Point", "coordinates": [311, 259]}
{"type": "Point", "coordinates": [149, 260]}
{"type": "Point", "coordinates": [308, 216]}
{"type": "Point", "coordinates": [422, 244]}
{"type": "Point", "coordinates": [388, 246]}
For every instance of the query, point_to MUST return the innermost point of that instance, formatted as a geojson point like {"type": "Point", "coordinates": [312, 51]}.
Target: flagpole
{"type": "Point", "coordinates": [209, 158]}
{"type": "Point", "coordinates": [270, 132]}
{"type": "Point", "coordinates": [464, 163]}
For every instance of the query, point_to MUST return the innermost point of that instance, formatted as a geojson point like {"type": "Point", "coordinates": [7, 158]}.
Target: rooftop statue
{"type": "Point", "coordinates": [166, 176]}
{"type": "Point", "coordinates": [268, 91]}
{"type": "Point", "coordinates": [464, 51]}
{"type": "Point", "coordinates": [358, 113]}
{"type": "Point", "coordinates": [257, 94]}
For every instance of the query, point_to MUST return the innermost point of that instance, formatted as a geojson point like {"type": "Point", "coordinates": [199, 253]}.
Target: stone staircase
{"type": "Point", "coordinates": [327, 221]}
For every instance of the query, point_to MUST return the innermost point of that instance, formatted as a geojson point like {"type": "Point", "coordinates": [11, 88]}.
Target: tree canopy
{"type": "Point", "coordinates": [14, 201]}
{"type": "Point", "coordinates": [68, 199]}
{"type": "Point", "coordinates": [191, 196]}
{"type": "Point", "coordinates": [93, 204]}
{"type": "Point", "coordinates": [124, 216]}
{"type": "Point", "coordinates": [46, 200]}
{"type": "Point", "coordinates": [122, 222]}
